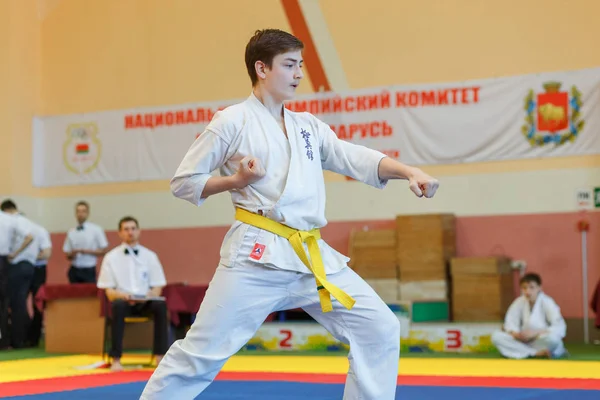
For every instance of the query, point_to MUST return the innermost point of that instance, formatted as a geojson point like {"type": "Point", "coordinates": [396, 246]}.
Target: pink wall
{"type": "Point", "coordinates": [189, 254]}
{"type": "Point", "coordinates": [549, 243]}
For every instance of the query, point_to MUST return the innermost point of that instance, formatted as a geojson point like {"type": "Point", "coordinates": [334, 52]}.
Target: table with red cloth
{"type": "Point", "coordinates": [72, 323]}
{"type": "Point", "coordinates": [82, 299]}
{"type": "Point", "coordinates": [180, 298]}
{"type": "Point", "coordinates": [64, 291]}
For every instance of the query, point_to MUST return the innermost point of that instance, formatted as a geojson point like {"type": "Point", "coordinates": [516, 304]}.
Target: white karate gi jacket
{"type": "Point", "coordinates": [293, 189]}
{"type": "Point", "coordinates": [545, 314]}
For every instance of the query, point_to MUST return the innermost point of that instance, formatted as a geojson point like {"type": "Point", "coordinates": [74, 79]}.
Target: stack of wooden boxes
{"type": "Point", "coordinates": [425, 246]}
{"type": "Point", "coordinates": [482, 288]}
{"type": "Point", "coordinates": [409, 263]}
{"type": "Point", "coordinates": [416, 264]}
{"type": "Point", "coordinates": [373, 257]}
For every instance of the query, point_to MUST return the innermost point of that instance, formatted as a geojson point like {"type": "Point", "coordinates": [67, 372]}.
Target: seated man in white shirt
{"type": "Point", "coordinates": [533, 326]}
{"type": "Point", "coordinates": [133, 278]}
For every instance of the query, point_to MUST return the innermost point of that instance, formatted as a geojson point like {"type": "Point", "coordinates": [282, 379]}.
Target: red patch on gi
{"type": "Point", "coordinates": [257, 251]}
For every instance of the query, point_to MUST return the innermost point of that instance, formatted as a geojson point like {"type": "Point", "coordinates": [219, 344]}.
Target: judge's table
{"type": "Point", "coordinates": [74, 316]}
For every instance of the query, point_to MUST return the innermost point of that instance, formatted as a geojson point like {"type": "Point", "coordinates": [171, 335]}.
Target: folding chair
{"type": "Point", "coordinates": [107, 325]}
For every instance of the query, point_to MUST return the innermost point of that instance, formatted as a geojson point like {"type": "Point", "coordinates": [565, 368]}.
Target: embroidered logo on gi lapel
{"type": "Point", "coordinates": [309, 153]}
{"type": "Point", "coordinates": [257, 251]}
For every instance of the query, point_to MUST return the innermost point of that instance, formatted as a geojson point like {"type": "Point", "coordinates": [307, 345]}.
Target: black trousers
{"type": "Point", "coordinates": [4, 335]}
{"type": "Point", "coordinates": [82, 275]}
{"type": "Point", "coordinates": [122, 309]}
{"type": "Point", "coordinates": [20, 276]}
{"type": "Point", "coordinates": [35, 330]}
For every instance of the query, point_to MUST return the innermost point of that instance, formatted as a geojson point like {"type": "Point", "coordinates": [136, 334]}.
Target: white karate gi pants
{"type": "Point", "coordinates": [510, 347]}
{"type": "Point", "coordinates": [238, 301]}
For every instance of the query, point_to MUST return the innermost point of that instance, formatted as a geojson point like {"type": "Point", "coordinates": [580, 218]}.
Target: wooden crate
{"type": "Point", "coordinates": [73, 325]}
{"type": "Point", "coordinates": [425, 245]}
{"type": "Point", "coordinates": [480, 265]}
{"type": "Point", "coordinates": [423, 290]}
{"type": "Point", "coordinates": [387, 289]}
{"type": "Point", "coordinates": [482, 288]}
{"type": "Point", "coordinates": [373, 253]}
{"type": "Point", "coordinates": [417, 273]}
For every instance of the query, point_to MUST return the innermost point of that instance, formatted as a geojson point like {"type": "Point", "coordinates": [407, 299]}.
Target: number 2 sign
{"type": "Point", "coordinates": [285, 343]}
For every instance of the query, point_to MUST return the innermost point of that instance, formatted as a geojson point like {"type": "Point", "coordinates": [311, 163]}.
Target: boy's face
{"type": "Point", "coordinates": [284, 76]}
{"type": "Point", "coordinates": [530, 290]}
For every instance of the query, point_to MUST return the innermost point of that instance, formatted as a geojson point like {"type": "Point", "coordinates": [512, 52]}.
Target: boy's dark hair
{"type": "Point", "coordinates": [531, 277]}
{"type": "Point", "coordinates": [83, 203]}
{"type": "Point", "coordinates": [8, 205]}
{"type": "Point", "coordinates": [265, 45]}
{"type": "Point", "coordinates": [128, 219]}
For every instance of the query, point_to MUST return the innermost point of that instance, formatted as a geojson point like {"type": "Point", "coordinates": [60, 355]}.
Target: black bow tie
{"type": "Point", "coordinates": [80, 228]}
{"type": "Point", "coordinates": [135, 251]}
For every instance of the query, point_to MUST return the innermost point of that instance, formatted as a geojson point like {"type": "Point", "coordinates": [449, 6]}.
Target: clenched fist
{"type": "Point", "coordinates": [249, 172]}
{"type": "Point", "coordinates": [422, 184]}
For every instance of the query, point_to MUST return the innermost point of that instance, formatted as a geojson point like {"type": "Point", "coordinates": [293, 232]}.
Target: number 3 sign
{"type": "Point", "coordinates": [453, 340]}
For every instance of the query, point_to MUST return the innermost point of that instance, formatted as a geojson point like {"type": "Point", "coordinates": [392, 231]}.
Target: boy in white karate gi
{"type": "Point", "coordinates": [533, 326]}
{"type": "Point", "coordinates": [271, 160]}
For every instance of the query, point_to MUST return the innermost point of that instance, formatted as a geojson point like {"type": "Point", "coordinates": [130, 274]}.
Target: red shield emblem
{"type": "Point", "coordinates": [554, 116]}
{"type": "Point", "coordinates": [552, 109]}
{"type": "Point", "coordinates": [257, 251]}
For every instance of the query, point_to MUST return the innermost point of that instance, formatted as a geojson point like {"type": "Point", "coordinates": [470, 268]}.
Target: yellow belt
{"type": "Point", "coordinates": [296, 239]}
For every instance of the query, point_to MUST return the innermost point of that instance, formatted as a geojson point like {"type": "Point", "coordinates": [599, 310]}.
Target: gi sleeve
{"type": "Point", "coordinates": [106, 278]}
{"type": "Point", "coordinates": [206, 154]}
{"type": "Point", "coordinates": [555, 320]}
{"type": "Point", "coordinates": [512, 320]}
{"type": "Point", "coordinates": [356, 161]}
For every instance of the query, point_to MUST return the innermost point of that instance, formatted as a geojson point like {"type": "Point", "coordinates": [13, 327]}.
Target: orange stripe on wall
{"type": "Point", "coordinates": [311, 57]}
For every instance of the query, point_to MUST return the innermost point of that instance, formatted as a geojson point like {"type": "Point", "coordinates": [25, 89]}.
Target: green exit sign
{"type": "Point", "coordinates": [597, 197]}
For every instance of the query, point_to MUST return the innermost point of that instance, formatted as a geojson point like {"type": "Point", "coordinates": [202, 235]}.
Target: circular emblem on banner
{"type": "Point", "coordinates": [552, 116]}
{"type": "Point", "coordinates": [82, 148]}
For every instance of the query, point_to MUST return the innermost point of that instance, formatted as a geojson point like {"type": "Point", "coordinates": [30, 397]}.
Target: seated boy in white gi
{"type": "Point", "coordinates": [533, 326]}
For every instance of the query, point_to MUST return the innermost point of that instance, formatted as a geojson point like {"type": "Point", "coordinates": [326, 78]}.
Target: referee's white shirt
{"type": "Point", "coordinates": [44, 242]}
{"type": "Point", "coordinates": [8, 231]}
{"type": "Point", "coordinates": [87, 236]}
{"type": "Point", "coordinates": [24, 227]}
{"type": "Point", "coordinates": [131, 273]}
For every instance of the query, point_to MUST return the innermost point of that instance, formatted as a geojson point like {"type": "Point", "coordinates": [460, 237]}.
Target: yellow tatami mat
{"type": "Point", "coordinates": [44, 368]}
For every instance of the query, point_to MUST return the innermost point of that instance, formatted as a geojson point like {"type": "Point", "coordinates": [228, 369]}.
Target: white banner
{"type": "Point", "coordinates": [312, 336]}
{"type": "Point", "coordinates": [419, 338]}
{"type": "Point", "coordinates": [531, 116]}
